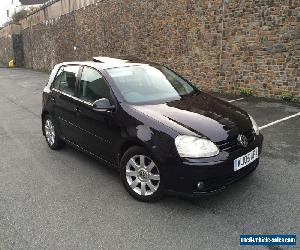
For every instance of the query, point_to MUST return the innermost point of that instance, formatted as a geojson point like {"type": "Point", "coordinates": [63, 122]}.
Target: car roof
{"type": "Point", "coordinates": [109, 62]}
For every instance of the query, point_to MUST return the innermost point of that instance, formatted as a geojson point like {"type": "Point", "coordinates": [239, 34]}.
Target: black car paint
{"type": "Point", "coordinates": [107, 135]}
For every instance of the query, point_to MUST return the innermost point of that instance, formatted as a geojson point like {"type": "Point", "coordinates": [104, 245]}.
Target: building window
{"type": "Point", "coordinates": [7, 13]}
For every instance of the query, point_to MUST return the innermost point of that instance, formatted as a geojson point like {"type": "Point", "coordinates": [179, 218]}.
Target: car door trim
{"type": "Point", "coordinates": [73, 97]}
{"type": "Point", "coordinates": [74, 125]}
{"type": "Point", "coordinates": [89, 152]}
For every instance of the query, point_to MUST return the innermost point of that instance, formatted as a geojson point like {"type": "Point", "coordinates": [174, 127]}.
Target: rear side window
{"type": "Point", "coordinates": [92, 86]}
{"type": "Point", "coordinates": [65, 80]}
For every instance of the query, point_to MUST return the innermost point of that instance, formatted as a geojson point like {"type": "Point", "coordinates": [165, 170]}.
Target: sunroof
{"type": "Point", "coordinates": [108, 60]}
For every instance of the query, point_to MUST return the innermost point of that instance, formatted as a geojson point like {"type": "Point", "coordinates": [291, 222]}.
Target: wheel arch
{"type": "Point", "coordinates": [127, 145]}
{"type": "Point", "coordinates": [44, 114]}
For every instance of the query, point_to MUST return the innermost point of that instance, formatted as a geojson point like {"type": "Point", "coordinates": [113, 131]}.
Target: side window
{"type": "Point", "coordinates": [93, 86]}
{"type": "Point", "coordinates": [56, 81]}
{"type": "Point", "coordinates": [65, 80]}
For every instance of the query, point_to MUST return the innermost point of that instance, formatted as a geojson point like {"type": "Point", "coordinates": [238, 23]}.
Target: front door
{"type": "Point", "coordinates": [100, 130]}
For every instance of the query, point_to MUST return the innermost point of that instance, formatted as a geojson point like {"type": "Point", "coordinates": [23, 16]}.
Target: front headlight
{"type": "Point", "coordinates": [195, 147]}
{"type": "Point", "coordinates": [254, 125]}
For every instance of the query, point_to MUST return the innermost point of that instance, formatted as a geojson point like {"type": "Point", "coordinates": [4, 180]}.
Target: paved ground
{"type": "Point", "coordinates": [66, 200]}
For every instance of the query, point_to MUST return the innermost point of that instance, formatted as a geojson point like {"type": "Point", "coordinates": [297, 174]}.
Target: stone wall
{"type": "Point", "coordinates": [18, 49]}
{"type": "Point", "coordinates": [11, 45]}
{"type": "Point", "coordinates": [6, 46]}
{"type": "Point", "coordinates": [262, 47]}
{"type": "Point", "coordinates": [260, 39]}
{"type": "Point", "coordinates": [6, 51]}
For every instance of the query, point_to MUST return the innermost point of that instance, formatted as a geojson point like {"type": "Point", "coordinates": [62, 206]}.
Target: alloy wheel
{"type": "Point", "coordinates": [49, 132]}
{"type": "Point", "coordinates": [142, 175]}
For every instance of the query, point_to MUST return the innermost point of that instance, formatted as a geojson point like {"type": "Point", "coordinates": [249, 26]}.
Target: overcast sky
{"type": "Point", "coordinates": [5, 4]}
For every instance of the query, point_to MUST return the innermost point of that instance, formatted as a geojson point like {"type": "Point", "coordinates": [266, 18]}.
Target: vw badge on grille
{"type": "Point", "coordinates": [243, 140]}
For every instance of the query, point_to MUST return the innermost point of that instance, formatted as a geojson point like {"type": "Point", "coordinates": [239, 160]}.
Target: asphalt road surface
{"type": "Point", "coordinates": [67, 200]}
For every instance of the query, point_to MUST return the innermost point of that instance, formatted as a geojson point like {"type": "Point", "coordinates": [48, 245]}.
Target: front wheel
{"type": "Point", "coordinates": [141, 175]}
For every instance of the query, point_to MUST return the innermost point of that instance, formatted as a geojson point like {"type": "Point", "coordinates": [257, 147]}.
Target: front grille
{"type": "Point", "coordinates": [233, 144]}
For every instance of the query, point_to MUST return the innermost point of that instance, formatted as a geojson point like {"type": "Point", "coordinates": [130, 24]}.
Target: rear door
{"type": "Point", "coordinates": [64, 90]}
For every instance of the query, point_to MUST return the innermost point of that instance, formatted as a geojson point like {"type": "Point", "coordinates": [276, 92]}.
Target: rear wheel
{"type": "Point", "coordinates": [52, 138]}
{"type": "Point", "coordinates": [141, 175]}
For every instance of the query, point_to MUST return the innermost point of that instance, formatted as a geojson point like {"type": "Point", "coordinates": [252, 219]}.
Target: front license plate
{"type": "Point", "coordinates": [246, 159]}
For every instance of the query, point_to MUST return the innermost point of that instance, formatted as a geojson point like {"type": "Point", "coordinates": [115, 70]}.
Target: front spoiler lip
{"type": "Point", "coordinates": [200, 194]}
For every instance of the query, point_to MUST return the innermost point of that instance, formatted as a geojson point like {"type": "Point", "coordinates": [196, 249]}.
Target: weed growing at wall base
{"type": "Point", "coordinates": [288, 97]}
{"type": "Point", "coordinates": [246, 92]}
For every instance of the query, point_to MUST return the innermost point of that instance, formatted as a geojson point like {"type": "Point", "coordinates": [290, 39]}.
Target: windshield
{"type": "Point", "coordinates": [149, 84]}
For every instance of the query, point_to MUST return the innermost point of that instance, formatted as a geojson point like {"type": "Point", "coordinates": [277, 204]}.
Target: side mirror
{"type": "Point", "coordinates": [103, 105]}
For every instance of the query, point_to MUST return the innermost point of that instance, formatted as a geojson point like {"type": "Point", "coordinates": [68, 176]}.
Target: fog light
{"type": "Point", "coordinates": [200, 185]}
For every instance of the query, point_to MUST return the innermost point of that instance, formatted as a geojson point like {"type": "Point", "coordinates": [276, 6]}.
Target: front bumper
{"type": "Point", "coordinates": [216, 173]}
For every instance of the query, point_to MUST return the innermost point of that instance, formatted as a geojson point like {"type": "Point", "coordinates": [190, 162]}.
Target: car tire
{"type": "Point", "coordinates": [140, 175]}
{"type": "Point", "coordinates": [51, 135]}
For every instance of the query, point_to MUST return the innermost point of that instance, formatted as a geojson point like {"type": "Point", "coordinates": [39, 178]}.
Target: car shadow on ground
{"type": "Point", "coordinates": [212, 202]}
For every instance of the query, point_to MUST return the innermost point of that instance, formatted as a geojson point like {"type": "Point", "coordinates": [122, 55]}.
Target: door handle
{"type": "Point", "coordinates": [77, 110]}
{"type": "Point", "coordinates": [52, 99]}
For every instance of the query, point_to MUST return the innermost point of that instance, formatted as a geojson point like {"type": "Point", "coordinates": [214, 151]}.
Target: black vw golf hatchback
{"type": "Point", "coordinates": [162, 133]}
